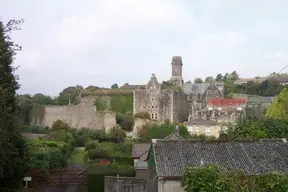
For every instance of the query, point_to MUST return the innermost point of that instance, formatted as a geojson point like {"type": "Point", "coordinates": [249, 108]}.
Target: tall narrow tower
{"type": "Point", "coordinates": [177, 71]}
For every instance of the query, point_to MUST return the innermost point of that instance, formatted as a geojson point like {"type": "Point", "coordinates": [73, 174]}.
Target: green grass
{"type": "Point", "coordinates": [77, 155]}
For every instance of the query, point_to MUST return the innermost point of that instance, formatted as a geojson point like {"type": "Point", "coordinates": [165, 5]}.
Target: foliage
{"type": "Point", "coordinates": [117, 132]}
{"type": "Point", "coordinates": [36, 129]}
{"type": "Point", "coordinates": [143, 115]}
{"type": "Point", "coordinates": [48, 154]}
{"type": "Point", "coordinates": [97, 173]}
{"type": "Point", "coordinates": [126, 122]}
{"type": "Point", "coordinates": [252, 128]}
{"type": "Point", "coordinates": [122, 104]}
{"type": "Point", "coordinates": [59, 125]}
{"type": "Point", "coordinates": [13, 153]}
{"type": "Point", "coordinates": [84, 135]}
{"type": "Point", "coordinates": [279, 107]}
{"type": "Point", "coordinates": [114, 86]}
{"type": "Point", "coordinates": [198, 80]}
{"type": "Point", "coordinates": [101, 103]}
{"type": "Point", "coordinates": [154, 131]}
{"type": "Point", "coordinates": [69, 93]}
{"type": "Point", "coordinates": [209, 178]}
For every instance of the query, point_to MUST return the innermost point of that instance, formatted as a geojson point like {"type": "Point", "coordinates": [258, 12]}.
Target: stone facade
{"type": "Point", "coordinates": [162, 104]}
{"type": "Point", "coordinates": [204, 127]}
{"type": "Point", "coordinates": [123, 184]}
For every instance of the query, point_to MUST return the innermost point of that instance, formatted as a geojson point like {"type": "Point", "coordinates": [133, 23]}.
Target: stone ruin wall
{"type": "Point", "coordinates": [123, 184]}
{"type": "Point", "coordinates": [79, 116]}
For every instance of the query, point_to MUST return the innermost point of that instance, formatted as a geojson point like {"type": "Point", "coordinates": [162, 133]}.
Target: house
{"type": "Point", "coordinates": [167, 159]}
{"type": "Point", "coordinates": [199, 93]}
{"type": "Point", "coordinates": [206, 127]}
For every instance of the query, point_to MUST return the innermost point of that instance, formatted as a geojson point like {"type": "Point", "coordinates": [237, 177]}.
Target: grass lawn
{"type": "Point", "coordinates": [77, 155]}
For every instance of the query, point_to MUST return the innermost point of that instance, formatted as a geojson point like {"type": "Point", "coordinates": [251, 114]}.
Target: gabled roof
{"type": "Point", "coordinates": [174, 136]}
{"type": "Point", "coordinates": [201, 122]}
{"type": "Point", "coordinates": [140, 149]}
{"type": "Point", "coordinates": [251, 156]}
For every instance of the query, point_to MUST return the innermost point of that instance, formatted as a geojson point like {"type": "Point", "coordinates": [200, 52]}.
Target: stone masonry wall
{"type": "Point", "coordinates": [78, 116]}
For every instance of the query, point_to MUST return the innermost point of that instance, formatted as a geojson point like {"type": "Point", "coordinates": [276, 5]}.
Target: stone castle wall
{"type": "Point", "coordinates": [79, 116]}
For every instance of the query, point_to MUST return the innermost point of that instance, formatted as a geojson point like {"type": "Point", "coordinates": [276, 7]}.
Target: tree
{"type": "Point", "coordinates": [114, 86]}
{"type": "Point", "coordinates": [13, 151]}
{"type": "Point", "coordinates": [279, 107]}
{"type": "Point", "coordinates": [126, 84]}
{"type": "Point", "coordinates": [198, 80]}
{"type": "Point", "coordinates": [69, 93]}
{"type": "Point", "coordinates": [219, 77]}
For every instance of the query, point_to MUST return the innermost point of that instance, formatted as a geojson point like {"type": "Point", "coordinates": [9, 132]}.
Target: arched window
{"type": "Point", "coordinates": [198, 96]}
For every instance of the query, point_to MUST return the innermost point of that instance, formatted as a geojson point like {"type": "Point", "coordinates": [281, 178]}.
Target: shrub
{"type": "Point", "coordinates": [117, 132]}
{"type": "Point", "coordinates": [59, 125]}
{"type": "Point", "coordinates": [126, 122]}
{"type": "Point", "coordinates": [142, 115]}
{"type": "Point", "coordinates": [36, 129]}
{"type": "Point", "coordinates": [98, 153]}
{"type": "Point", "coordinates": [123, 160]}
{"type": "Point", "coordinates": [90, 145]}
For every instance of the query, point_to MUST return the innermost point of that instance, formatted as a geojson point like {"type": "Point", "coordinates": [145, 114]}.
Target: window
{"type": "Point", "coordinates": [152, 106]}
{"type": "Point", "coordinates": [208, 93]}
{"type": "Point", "coordinates": [190, 129]}
{"type": "Point", "coordinates": [156, 116]}
{"type": "Point", "coordinates": [198, 96]}
{"type": "Point", "coordinates": [152, 116]}
{"type": "Point", "coordinates": [207, 130]}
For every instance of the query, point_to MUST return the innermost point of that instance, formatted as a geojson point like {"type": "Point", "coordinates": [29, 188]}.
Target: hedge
{"type": "Point", "coordinates": [97, 173]}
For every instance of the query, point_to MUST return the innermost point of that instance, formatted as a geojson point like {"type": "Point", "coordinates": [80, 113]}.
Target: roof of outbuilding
{"type": "Point", "coordinates": [251, 156]}
{"type": "Point", "coordinates": [140, 149]}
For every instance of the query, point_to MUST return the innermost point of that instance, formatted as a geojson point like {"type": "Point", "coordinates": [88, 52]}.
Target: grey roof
{"type": "Point", "coordinates": [252, 157]}
{"type": "Point", "coordinates": [201, 122]}
{"type": "Point", "coordinates": [174, 136]}
{"type": "Point", "coordinates": [140, 149]}
{"type": "Point", "coordinates": [195, 87]}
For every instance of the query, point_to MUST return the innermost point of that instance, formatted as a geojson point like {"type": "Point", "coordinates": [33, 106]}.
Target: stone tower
{"type": "Point", "coordinates": [177, 71]}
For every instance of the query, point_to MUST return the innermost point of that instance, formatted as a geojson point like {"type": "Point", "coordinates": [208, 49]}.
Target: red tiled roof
{"type": "Point", "coordinates": [225, 102]}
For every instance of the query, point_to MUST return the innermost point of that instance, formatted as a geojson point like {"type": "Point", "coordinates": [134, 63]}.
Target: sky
{"type": "Point", "coordinates": [102, 42]}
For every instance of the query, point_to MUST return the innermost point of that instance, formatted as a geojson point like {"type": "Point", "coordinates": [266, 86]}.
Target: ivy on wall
{"type": "Point", "coordinates": [36, 113]}
{"type": "Point", "coordinates": [101, 103]}
{"type": "Point", "coordinates": [122, 104]}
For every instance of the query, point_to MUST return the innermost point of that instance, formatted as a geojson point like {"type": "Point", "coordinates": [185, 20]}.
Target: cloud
{"type": "Point", "coordinates": [100, 42]}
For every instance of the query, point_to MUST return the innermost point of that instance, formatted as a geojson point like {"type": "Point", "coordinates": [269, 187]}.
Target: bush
{"type": "Point", "coordinates": [98, 153]}
{"type": "Point", "coordinates": [117, 133]}
{"type": "Point", "coordinates": [126, 122]}
{"type": "Point", "coordinates": [97, 173]}
{"type": "Point", "coordinates": [85, 135]}
{"type": "Point", "coordinates": [59, 125]}
{"type": "Point", "coordinates": [36, 129]}
{"type": "Point", "coordinates": [123, 160]}
{"type": "Point", "coordinates": [142, 115]}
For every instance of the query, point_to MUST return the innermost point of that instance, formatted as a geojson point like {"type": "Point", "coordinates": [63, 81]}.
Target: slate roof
{"type": "Point", "coordinates": [201, 122]}
{"type": "Point", "coordinates": [252, 157]}
{"type": "Point", "coordinates": [140, 149]}
{"type": "Point", "coordinates": [174, 136]}
{"type": "Point", "coordinates": [195, 87]}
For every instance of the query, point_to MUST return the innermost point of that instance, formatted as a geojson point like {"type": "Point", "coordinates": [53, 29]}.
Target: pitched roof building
{"type": "Point", "coordinates": [167, 159]}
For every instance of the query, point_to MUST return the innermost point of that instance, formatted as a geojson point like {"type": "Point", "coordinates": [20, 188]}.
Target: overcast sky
{"type": "Point", "coordinates": [101, 42]}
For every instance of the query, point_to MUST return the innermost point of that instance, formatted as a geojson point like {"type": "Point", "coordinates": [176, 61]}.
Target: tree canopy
{"type": "Point", "coordinates": [13, 153]}
{"type": "Point", "coordinates": [279, 107]}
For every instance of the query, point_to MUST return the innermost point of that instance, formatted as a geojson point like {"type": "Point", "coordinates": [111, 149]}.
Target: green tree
{"type": "Point", "coordinates": [69, 93]}
{"type": "Point", "coordinates": [13, 153]}
{"type": "Point", "coordinates": [198, 80]}
{"type": "Point", "coordinates": [279, 107]}
{"type": "Point", "coordinates": [114, 86]}
{"type": "Point", "coordinates": [42, 99]}
{"type": "Point", "coordinates": [219, 77]}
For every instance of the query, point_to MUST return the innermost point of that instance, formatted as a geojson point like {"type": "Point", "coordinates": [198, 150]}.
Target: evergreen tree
{"type": "Point", "coordinates": [12, 145]}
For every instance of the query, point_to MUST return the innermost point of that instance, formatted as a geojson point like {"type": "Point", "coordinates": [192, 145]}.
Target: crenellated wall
{"type": "Point", "coordinates": [78, 116]}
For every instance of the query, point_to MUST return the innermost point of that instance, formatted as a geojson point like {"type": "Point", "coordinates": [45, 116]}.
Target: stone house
{"type": "Point", "coordinates": [203, 127]}
{"type": "Point", "coordinates": [163, 104]}
{"type": "Point", "coordinates": [199, 93]}
{"type": "Point", "coordinates": [167, 159]}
